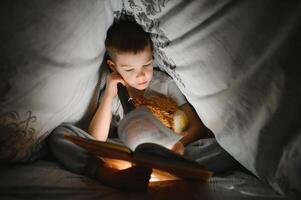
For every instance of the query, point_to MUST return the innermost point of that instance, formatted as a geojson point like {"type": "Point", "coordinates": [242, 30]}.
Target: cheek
{"type": "Point", "coordinates": [150, 73]}
{"type": "Point", "coordinates": [127, 77]}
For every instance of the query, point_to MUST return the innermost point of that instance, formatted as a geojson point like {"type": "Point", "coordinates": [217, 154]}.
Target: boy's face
{"type": "Point", "coordinates": [135, 69]}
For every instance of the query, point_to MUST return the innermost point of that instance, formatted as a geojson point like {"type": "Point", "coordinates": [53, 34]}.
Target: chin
{"type": "Point", "coordinates": [141, 87]}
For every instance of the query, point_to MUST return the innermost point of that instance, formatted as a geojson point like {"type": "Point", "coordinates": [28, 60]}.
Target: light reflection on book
{"type": "Point", "coordinates": [157, 175]}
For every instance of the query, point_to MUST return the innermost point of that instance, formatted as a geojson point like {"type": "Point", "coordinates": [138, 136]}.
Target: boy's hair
{"type": "Point", "coordinates": [126, 35]}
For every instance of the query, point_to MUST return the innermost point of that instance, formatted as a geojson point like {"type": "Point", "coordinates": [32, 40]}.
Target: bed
{"type": "Point", "coordinates": [235, 61]}
{"type": "Point", "coordinates": [46, 179]}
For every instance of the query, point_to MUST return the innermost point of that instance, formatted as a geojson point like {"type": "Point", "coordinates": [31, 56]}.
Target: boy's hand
{"type": "Point", "coordinates": [178, 148]}
{"type": "Point", "coordinates": [112, 80]}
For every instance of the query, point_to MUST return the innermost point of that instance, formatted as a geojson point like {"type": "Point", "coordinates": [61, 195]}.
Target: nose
{"type": "Point", "coordinates": [141, 73]}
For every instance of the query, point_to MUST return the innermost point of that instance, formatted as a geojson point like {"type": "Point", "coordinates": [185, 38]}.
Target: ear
{"type": "Point", "coordinates": [111, 65]}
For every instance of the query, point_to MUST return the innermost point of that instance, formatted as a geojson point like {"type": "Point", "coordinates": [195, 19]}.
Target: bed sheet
{"type": "Point", "coordinates": [46, 179]}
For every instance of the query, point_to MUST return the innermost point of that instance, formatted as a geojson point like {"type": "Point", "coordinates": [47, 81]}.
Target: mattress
{"type": "Point", "coordinates": [46, 179]}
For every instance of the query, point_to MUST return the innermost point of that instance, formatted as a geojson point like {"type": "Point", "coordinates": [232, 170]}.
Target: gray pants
{"type": "Point", "coordinates": [74, 158]}
{"type": "Point", "coordinates": [209, 153]}
{"type": "Point", "coordinates": [71, 156]}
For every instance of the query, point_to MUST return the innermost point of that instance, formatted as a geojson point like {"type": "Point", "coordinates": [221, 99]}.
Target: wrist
{"type": "Point", "coordinates": [182, 141]}
{"type": "Point", "coordinates": [108, 94]}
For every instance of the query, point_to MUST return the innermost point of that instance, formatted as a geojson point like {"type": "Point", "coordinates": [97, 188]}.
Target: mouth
{"type": "Point", "coordinates": [142, 83]}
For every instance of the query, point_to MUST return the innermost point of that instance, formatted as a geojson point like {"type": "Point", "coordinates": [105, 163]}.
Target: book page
{"type": "Point", "coordinates": [141, 126]}
{"type": "Point", "coordinates": [154, 150]}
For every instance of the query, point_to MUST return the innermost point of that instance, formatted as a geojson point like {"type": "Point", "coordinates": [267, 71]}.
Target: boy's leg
{"type": "Point", "coordinates": [209, 153]}
{"type": "Point", "coordinates": [71, 156]}
{"type": "Point", "coordinates": [78, 160]}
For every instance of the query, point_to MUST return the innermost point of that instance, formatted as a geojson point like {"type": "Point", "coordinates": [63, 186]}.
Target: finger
{"type": "Point", "coordinates": [115, 73]}
{"type": "Point", "coordinates": [123, 82]}
{"type": "Point", "coordinates": [118, 78]}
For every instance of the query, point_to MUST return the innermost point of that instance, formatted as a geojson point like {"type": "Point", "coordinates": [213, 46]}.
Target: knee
{"type": "Point", "coordinates": [56, 137]}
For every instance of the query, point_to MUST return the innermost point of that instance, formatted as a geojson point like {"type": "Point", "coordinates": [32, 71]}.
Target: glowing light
{"type": "Point", "coordinates": [157, 175]}
{"type": "Point", "coordinates": [118, 164]}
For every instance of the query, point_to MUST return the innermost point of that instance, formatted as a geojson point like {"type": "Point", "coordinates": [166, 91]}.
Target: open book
{"type": "Point", "coordinates": [145, 141]}
{"type": "Point", "coordinates": [141, 126]}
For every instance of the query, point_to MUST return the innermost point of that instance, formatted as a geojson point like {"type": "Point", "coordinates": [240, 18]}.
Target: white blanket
{"type": "Point", "coordinates": [236, 62]}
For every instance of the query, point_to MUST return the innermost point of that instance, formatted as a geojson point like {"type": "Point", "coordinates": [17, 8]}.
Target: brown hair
{"type": "Point", "coordinates": [126, 35]}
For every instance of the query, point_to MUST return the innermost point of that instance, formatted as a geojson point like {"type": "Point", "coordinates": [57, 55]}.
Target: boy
{"type": "Point", "coordinates": [130, 51]}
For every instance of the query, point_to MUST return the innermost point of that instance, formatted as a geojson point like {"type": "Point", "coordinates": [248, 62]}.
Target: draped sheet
{"type": "Point", "coordinates": [235, 61]}
{"type": "Point", "coordinates": [237, 64]}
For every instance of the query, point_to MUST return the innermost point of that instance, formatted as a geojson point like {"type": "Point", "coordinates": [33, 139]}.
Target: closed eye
{"type": "Point", "coordinates": [129, 70]}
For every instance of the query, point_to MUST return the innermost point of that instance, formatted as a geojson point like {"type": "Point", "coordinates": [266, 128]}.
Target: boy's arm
{"type": "Point", "coordinates": [196, 129]}
{"type": "Point", "coordinates": [100, 124]}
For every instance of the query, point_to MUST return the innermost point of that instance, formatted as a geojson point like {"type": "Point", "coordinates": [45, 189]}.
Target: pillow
{"type": "Point", "coordinates": [50, 57]}
{"type": "Point", "coordinates": [232, 62]}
